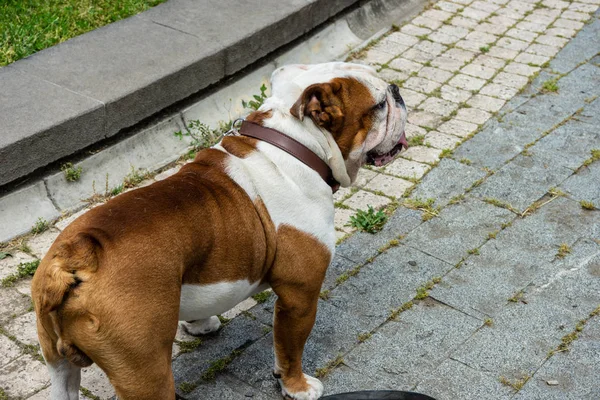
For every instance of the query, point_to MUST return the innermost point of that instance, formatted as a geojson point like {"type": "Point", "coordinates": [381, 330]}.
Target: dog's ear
{"type": "Point", "coordinates": [323, 103]}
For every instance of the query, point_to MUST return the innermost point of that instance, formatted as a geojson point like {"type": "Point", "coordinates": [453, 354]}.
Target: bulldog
{"type": "Point", "coordinates": [245, 215]}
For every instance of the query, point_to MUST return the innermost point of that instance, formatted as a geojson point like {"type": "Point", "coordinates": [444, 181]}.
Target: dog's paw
{"type": "Point", "coordinates": [309, 389]}
{"type": "Point", "coordinates": [202, 326]}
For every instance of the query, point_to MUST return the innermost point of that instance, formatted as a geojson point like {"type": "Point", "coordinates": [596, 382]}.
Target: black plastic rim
{"type": "Point", "coordinates": [378, 395]}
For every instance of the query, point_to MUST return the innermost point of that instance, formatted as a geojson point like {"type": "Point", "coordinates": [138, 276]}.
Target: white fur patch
{"type": "Point", "coordinates": [65, 379]}
{"type": "Point", "coordinates": [313, 393]}
{"type": "Point", "coordinates": [200, 302]}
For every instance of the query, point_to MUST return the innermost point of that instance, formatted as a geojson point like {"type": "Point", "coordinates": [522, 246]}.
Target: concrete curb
{"type": "Point", "coordinates": [153, 147]}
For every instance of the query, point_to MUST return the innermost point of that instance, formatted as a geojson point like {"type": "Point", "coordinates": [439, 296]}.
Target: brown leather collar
{"type": "Point", "coordinates": [292, 147]}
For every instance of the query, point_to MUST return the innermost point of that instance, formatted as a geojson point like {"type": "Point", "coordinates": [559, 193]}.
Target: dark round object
{"type": "Point", "coordinates": [378, 395]}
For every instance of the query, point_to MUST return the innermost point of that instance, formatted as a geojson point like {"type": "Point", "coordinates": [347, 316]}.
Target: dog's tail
{"type": "Point", "coordinates": [60, 272]}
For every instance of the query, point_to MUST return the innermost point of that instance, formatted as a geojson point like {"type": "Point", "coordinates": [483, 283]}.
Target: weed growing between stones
{"type": "Point", "coordinates": [363, 337]}
{"type": "Point", "coordinates": [550, 86]}
{"type": "Point", "coordinates": [72, 174]}
{"type": "Point", "coordinates": [23, 270]}
{"type": "Point", "coordinates": [40, 226]}
{"type": "Point", "coordinates": [404, 307]}
{"type": "Point", "coordinates": [517, 297]}
{"type": "Point", "coordinates": [426, 206]}
{"type": "Point", "coordinates": [190, 345]}
{"type": "Point", "coordinates": [587, 205]}
{"type": "Point", "coordinates": [517, 384]}
{"type": "Point", "coordinates": [563, 250]}
{"type": "Point", "coordinates": [416, 140]}
{"type": "Point", "coordinates": [87, 393]}
{"type": "Point", "coordinates": [262, 296]}
{"type": "Point", "coordinates": [368, 221]}
{"type": "Point", "coordinates": [203, 136]}
{"type": "Point", "coordinates": [323, 372]}
{"type": "Point", "coordinates": [132, 179]}
{"type": "Point", "coordinates": [488, 322]}
{"type": "Point", "coordinates": [219, 365]}
{"type": "Point", "coordinates": [3, 395]}
{"type": "Point", "coordinates": [258, 99]}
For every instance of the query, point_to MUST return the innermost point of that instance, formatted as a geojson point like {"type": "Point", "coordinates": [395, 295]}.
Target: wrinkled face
{"type": "Point", "coordinates": [365, 115]}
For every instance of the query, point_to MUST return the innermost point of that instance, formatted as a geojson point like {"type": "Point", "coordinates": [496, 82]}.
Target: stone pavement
{"type": "Point", "coordinates": [492, 291]}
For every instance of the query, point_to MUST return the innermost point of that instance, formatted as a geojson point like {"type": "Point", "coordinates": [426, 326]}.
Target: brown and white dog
{"type": "Point", "coordinates": [243, 216]}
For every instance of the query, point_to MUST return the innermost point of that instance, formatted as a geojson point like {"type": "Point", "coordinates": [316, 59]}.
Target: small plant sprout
{"type": "Point", "coordinates": [416, 140]}
{"type": "Point", "coordinates": [551, 85]}
{"type": "Point", "coordinates": [363, 337]}
{"type": "Point", "coordinates": [40, 226]}
{"type": "Point", "coordinates": [426, 206]}
{"type": "Point", "coordinates": [258, 99]}
{"type": "Point", "coordinates": [262, 296]}
{"type": "Point", "coordinates": [370, 221]}
{"type": "Point", "coordinates": [72, 174]}
{"type": "Point", "coordinates": [473, 251]}
{"type": "Point", "coordinates": [323, 372]}
{"type": "Point", "coordinates": [484, 49]}
{"type": "Point", "coordinates": [563, 250]}
{"type": "Point", "coordinates": [488, 322]}
{"type": "Point", "coordinates": [595, 157]}
{"type": "Point", "coordinates": [587, 205]}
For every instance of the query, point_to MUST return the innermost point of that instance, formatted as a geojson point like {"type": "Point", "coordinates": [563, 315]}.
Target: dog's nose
{"type": "Point", "coordinates": [396, 94]}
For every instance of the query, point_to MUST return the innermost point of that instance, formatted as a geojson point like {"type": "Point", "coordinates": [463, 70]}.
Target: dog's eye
{"type": "Point", "coordinates": [381, 105]}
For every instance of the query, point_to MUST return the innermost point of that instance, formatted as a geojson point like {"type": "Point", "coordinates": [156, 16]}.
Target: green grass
{"type": "Point", "coordinates": [28, 26]}
{"type": "Point", "coordinates": [23, 270]}
{"type": "Point", "coordinates": [368, 221]}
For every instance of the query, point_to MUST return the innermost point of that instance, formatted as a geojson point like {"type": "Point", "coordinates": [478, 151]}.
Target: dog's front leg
{"type": "Point", "coordinates": [295, 312]}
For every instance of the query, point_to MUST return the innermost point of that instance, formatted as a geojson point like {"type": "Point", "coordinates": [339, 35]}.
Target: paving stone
{"type": "Point", "coordinates": [426, 22]}
{"type": "Point", "coordinates": [567, 146]}
{"type": "Point", "coordinates": [8, 350]}
{"type": "Point", "coordinates": [510, 80]}
{"type": "Point", "coordinates": [441, 140]}
{"type": "Point", "coordinates": [473, 115]}
{"type": "Point", "coordinates": [463, 22]}
{"type": "Point", "coordinates": [573, 370]}
{"type": "Point", "coordinates": [64, 222]}
{"type": "Point", "coordinates": [542, 50]}
{"type": "Point", "coordinates": [491, 28]}
{"type": "Point", "coordinates": [577, 16]}
{"type": "Point", "coordinates": [412, 98]}
{"type": "Point", "coordinates": [239, 332]}
{"type": "Point", "coordinates": [568, 24]}
{"type": "Point", "coordinates": [435, 74]}
{"type": "Point", "coordinates": [457, 128]}
{"type": "Point", "coordinates": [486, 103]}
{"type": "Point", "coordinates": [551, 40]}
{"type": "Point", "coordinates": [481, 37]}
{"type": "Point", "coordinates": [413, 346]}
{"type": "Point", "coordinates": [8, 265]}
{"type": "Point", "coordinates": [488, 61]}
{"type": "Point", "coordinates": [364, 176]}
{"type": "Point", "coordinates": [40, 243]}
{"type": "Point", "coordinates": [448, 6]}
{"type": "Point", "coordinates": [362, 246]}
{"type": "Point", "coordinates": [584, 8]}
{"type": "Point", "coordinates": [470, 45]}
{"type": "Point", "coordinates": [466, 82]}
{"type": "Point", "coordinates": [376, 56]}
{"type": "Point", "coordinates": [447, 63]}
{"type": "Point", "coordinates": [422, 154]}
{"type": "Point", "coordinates": [540, 19]}
{"type": "Point", "coordinates": [454, 380]}
{"type": "Point", "coordinates": [519, 254]}
{"type": "Point", "coordinates": [412, 130]}
{"type": "Point", "coordinates": [414, 30]}
{"type": "Point", "coordinates": [342, 193]}
{"type": "Point", "coordinates": [24, 328]}
{"type": "Point", "coordinates": [388, 46]}
{"type": "Point", "coordinates": [424, 118]}
{"type": "Point", "coordinates": [404, 39]}
{"type": "Point", "coordinates": [522, 35]}
{"type": "Point", "coordinates": [96, 381]}
{"type": "Point", "coordinates": [537, 325]}
{"type": "Point", "coordinates": [513, 44]}
{"type": "Point", "coordinates": [406, 168]}
{"type": "Point", "coordinates": [23, 377]}
{"type": "Point", "coordinates": [520, 69]}
{"type": "Point", "coordinates": [361, 200]}
{"type": "Point", "coordinates": [226, 387]}
{"type": "Point", "coordinates": [439, 106]}
{"type": "Point", "coordinates": [417, 55]}
{"type": "Point", "coordinates": [392, 76]}
{"type": "Point", "coordinates": [405, 65]}
{"type": "Point", "coordinates": [455, 31]}
{"type": "Point", "coordinates": [578, 185]}
{"type": "Point", "coordinates": [458, 228]}
{"type": "Point", "coordinates": [502, 20]}
{"type": "Point", "coordinates": [501, 52]}
{"type": "Point", "coordinates": [577, 49]}
{"type": "Point", "coordinates": [240, 307]}
{"type": "Point", "coordinates": [396, 274]}
{"type": "Point", "coordinates": [460, 55]}
{"type": "Point", "coordinates": [510, 13]}
{"type": "Point", "coordinates": [342, 218]}
{"type": "Point", "coordinates": [561, 32]}
{"type": "Point", "coordinates": [501, 91]}
{"type": "Point", "coordinates": [389, 185]}
{"type": "Point", "coordinates": [478, 71]}
{"type": "Point", "coordinates": [523, 181]}
{"type": "Point", "coordinates": [454, 95]}
{"type": "Point", "coordinates": [12, 303]}
{"type": "Point", "coordinates": [437, 15]}
{"type": "Point", "coordinates": [339, 265]}
{"type": "Point", "coordinates": [475, 14]}
{"type": "Point", "coordinates": [345, 379]}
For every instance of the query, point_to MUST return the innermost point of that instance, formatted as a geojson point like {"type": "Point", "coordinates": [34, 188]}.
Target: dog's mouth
{"type": "Point", "coordinates": [380, 160]}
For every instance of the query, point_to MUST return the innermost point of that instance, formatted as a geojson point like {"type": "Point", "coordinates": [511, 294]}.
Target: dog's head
{"type": "Point", "coordinates": [364, 114]}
